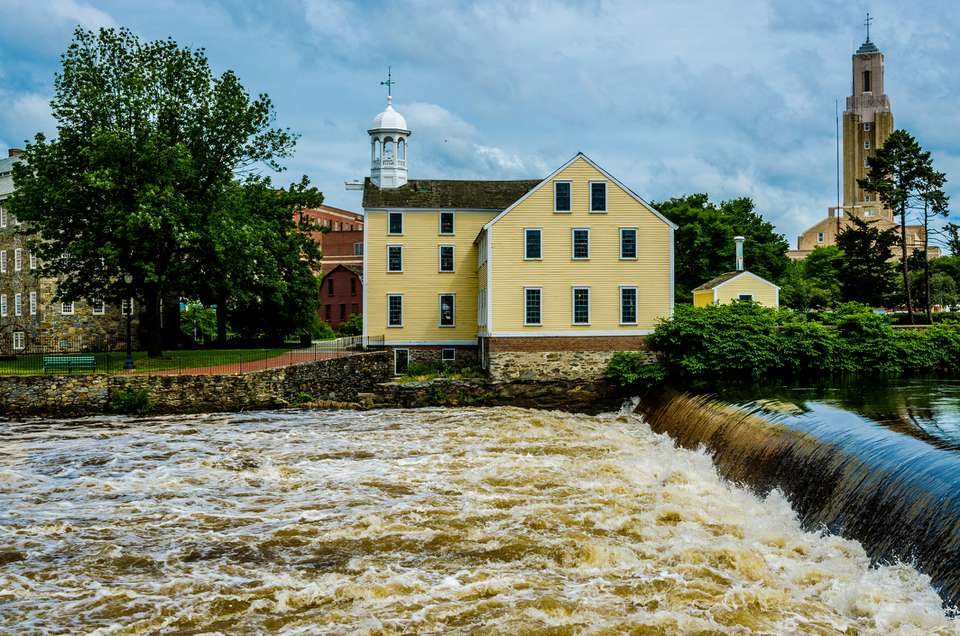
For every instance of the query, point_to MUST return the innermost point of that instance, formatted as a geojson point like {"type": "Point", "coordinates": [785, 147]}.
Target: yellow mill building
{"type": "Point", "coordinates": [867, 122]}
{"type": "Point", "coordinates": [540, 278]}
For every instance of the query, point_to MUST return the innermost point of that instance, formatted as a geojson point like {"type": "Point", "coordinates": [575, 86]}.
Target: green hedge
{"type": "Point", "coordinates": [746, 342]}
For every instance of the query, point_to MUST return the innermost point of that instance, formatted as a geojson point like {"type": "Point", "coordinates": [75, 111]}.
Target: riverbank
{"type": "Point", "coordinates": [359, 382]}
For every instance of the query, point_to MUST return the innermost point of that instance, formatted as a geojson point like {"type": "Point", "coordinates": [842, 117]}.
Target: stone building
{"type": "Point", "coordinates": [867, 123]}
{"type": "Point", "coordinates": [31, 319]}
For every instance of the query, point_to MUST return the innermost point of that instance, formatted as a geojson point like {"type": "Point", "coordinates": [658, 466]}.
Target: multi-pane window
{"type": "Point", "coordinates": [598, 196]}
{"type": "Point", "coordinates": [820, 237]}
{"type": "Point", "coordinates": [532, 297]}
{"type": "Point", "coordinates": [581, 305]}
{"type": "Point", "coordinates": [18, 304]}
{"type": "Point", "coordinates": [394, 258]}
{"type": "Point", "coordinates": [3, 217]}
{"type": "Point", "coordinates": [98, 306]}
{"type": "Point", "coordinates": [561, 196]}
{"type": "Point", "coordinates": [394, 310]}
{"type": "Point", "coordinates": [628, 242]}
{"type": "Point", "coordinates": [67, 308]}
{"type": "Point", "coordinates": [3, 261]}
{"type": "Point", "coordinates": [745, 298]}
{"type": "Point", "coordinates": [531, 244]}
{"type": "Point", "coordinates": [866, 144]}
{"type": "Point", "coordinates": [628, 305]}
{"type": "Point", "coordinates": [3, 304]}
{"type": "Point", "coordinates": [448, 355]}
{"type": "Point", "coordinates": [446, 258]}
{"type": "Point", "coordinates": [447, 310]}
{"type": "Point", "coordinates": [33, 261]}
{"type": "Point", "coordinates": [17, 259]}
{"type": "Point", "coordinates": [395, 223]}
{"type": "Point", "coordinates": [126, 307]}
{"type": "Point", "coordinates": [358, 249]}
{"type": "Point", "coordinates": [19, 341]}
{"type": "Point", "coordinates": [447, 223]}
{"type": "Point", "coordinates": [33, 303]}
{"type": "Point", "coordinates": [867, 126]}
{"type": "Point", "coordinates": [581, 243]}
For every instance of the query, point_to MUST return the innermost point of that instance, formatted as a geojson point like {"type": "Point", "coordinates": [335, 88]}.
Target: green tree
{"type": "Point", "coordinates": [147, 137]}
{"type": "Point", "coordinates": [952, 232]}
{"type": "Point", "coordinates": [704, 245]}
{"type": "Point", "coordinates": [902, 174]}
{"type": "Point", "coordinates": [813, 283]}
{"type": "Point", "coordinates": [864, 271]}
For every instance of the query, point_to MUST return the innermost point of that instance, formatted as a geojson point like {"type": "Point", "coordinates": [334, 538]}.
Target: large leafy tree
{"type": "Point", "coordinates": [813, 283]}
{"type": "Point", "coordinates": [902, 174]}
{"type": "Point", "coordinates": [704, 245]}
{"type": "Point", "coordinates": [147, 138]}
{"type": "Point", "coordinates": [865, 273]}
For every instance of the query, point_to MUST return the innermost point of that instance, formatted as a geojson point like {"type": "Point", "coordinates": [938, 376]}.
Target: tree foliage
{"type": "Point", "coordinates": [704, 246]}
{"type": "Point", "coordinates": [813, 283]}
{"type": "Point", "coordinates": [147, 140]}
{"type": "Point", "coordinates": [864, 271]}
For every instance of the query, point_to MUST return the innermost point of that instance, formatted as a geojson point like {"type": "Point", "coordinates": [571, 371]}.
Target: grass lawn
{"type": "Point", "coordinates": [32, 364]}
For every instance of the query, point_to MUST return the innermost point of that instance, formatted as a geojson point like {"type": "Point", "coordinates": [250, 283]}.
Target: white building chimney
{"type": "Point", "coordinates": [739, 240]}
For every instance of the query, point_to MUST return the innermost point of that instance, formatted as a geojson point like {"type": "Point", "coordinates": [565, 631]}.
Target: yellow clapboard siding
{"type": "Point", "coordinates": [703, 298]}
{"type": "Point", "coordinates": [558, 272]}
{"type": "Point", "coordinates": [763, 291]}
{"type": "Point", "coordinates": [421, 282]}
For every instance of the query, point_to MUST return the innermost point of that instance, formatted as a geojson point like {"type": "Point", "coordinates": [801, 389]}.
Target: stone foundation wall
{"type": "Point", "coordinates": [552, 365]}
{"type": "Point", "coordinates": [465, 356]}
{"type": "Point", "coordinates": [340, 379]}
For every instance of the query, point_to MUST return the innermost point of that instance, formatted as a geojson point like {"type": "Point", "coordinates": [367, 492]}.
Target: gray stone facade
{"type": "Point", "coordinates": [552, 365]}
{"type": "Point", "coordinates": [31, 319]}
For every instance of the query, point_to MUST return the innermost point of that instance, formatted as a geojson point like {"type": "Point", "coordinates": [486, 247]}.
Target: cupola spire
{"type": "Point", "coordinates": [389, 143]}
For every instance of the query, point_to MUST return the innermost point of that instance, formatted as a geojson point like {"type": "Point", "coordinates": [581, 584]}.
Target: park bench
{"type": "Point", "coordinates": [69, 363]}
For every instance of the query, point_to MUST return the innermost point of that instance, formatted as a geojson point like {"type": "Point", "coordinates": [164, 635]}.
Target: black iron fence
{"type": "Point", "coordinates": [79, 357]}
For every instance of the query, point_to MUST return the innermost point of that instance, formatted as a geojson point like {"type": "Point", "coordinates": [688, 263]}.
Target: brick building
{"type": "Point", "coordinates": [341, 237]}
{"type": "Point", "coordinates": [341, 294]}
{"type": "Point", "coordinates": [30, 316]}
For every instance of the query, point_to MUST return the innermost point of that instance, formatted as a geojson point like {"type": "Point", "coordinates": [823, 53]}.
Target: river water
{"type": "Point", "coordinates": [431, 521]}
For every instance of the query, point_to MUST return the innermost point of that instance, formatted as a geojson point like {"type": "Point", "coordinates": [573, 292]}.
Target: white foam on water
{"type": "Point", "coordinates": [447, 521]}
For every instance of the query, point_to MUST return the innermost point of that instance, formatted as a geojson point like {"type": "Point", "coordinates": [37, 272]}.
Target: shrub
{"type": "Point", "coordinates": [321, 330]}
{"type": "Point", "coordinates": [301, 398]}
{"type": "Point", "coordinates": [632, 370]}
{"type": "Point", "coordinates": [131, 401]}
{"type": "Point", "coordinates": [353, 326]}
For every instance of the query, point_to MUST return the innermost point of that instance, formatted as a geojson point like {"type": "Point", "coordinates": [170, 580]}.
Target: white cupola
{"type": "Point", "coordinates": [389, 148]}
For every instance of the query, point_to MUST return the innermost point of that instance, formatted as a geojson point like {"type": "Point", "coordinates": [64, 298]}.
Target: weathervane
{"type": "Point", "coordinates": [389, 84]}
{"type": "Point", "coordinates": [867, 22]}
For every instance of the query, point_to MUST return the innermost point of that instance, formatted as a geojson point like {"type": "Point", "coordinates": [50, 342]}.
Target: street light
{"type": "Point", "coordinates": [128, 363]}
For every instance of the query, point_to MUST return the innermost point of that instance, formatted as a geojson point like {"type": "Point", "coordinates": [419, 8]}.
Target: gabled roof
{"type": "Point", "coordinates": [609, 176]}
{"type": "Point", "coordinates": [444, 193]}
{"type": "Point", "coordinates": [350, 268]}
{"type": "Point", "coordinates": [729, 276]}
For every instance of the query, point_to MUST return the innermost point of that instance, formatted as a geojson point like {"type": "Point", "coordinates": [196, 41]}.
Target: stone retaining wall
{"type": "Point", "coordinates": [339, 379]}
{"type": "Point", "coordinates": [552, 365]}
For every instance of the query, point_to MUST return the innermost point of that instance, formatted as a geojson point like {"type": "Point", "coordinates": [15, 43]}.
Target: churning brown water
{"type": "Point", "coordinates": [433, 521]}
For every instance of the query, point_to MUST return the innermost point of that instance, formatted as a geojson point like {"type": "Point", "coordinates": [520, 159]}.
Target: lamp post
{"type": "Point", "coordinates": [128, 363]}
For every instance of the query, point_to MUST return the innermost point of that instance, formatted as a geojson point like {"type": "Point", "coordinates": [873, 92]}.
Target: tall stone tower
{"type": "Point", "coordinates": [867, 122]}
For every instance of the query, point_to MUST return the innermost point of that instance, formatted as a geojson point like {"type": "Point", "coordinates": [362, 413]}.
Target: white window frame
{"type": "Point", "coordinates": [636, 243]}
{"type": "Point", "coordinates": [540, 322]}
{"type": "Point", "coordinates": [745, 298]}
{"type": "Point", "coordinates": [867, 126]}
{"type": "Point", "coordinates": [358, 248]}
{"type": "Point", "coordinates": [126, 306]}
{"type": "Point", "coordinates": [3, 305]}
{"type": "Point", "coordinates": [394, 271]}
{"type": "Point", "coordinates": [33, 261]}
{"type": "Point", "coordinates": [3, 216]}
{"type": "Point", "coordinates": [636, 303]}
{"type": "Point", "coordinates": [820, 237]}
{"type": "Point", "coordinates": [19, 341]}
{"type": "Point", "coordinates": [573, 244]}
{"type": "Point", "coordinates": [573, 305]}
{"type": "Point", "coordinates": [453, 217]}
{"type": "Point", "coordinates": [606, 192]}
{"type": "Point", "coordinates": [93, 307]}
{"type": "Point", "coordinates": [18, 304]}
{"type": "Point", "coordinates": [453, 259]}
{"type": "Point", "coordinates": [532, 229]}
{"type": "Point", "coordinates": [398, 326]}
{"type": "Point", "coordinates": [33, 303]}
{"type": "Point", "coordinates": [3, 261]}
{"type": "Point", "coordinates": [443, 354]}
{"type": "Point", "coordinates": [570, 183]}
{"type": "Point", "coordinates": [67, 309]}
{"type": "Point", "coordinates": [866, 144]}
{"type": "Point", "coordinates": [407, 351]}
{"type": "Point", "coordinates": [403, 223]}
{"type": "Point", "coordinates": [440, 311]}
{"type": "Point", "coordinates": [18, 259]}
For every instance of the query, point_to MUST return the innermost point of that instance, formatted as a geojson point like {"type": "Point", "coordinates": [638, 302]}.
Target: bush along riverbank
{"type": "Point", "coordinates": [749, 343]}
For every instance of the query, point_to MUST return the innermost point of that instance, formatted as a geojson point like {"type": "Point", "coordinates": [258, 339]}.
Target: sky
{"type": "Point", "coordinates": [728, 97]}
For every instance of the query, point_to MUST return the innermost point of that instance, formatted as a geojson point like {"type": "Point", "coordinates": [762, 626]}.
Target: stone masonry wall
{"type": "Point", "coordinates": [340, 379]}
{"type": "Point", "coordinates": [552, 365]}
